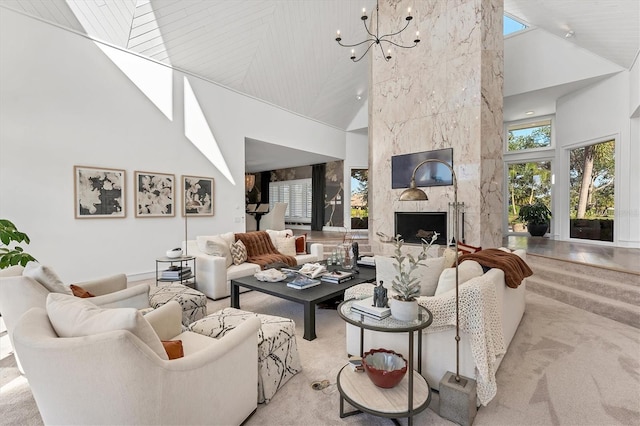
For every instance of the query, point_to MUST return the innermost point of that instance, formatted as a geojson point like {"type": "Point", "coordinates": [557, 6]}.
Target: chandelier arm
{"type": "Point", "coordinates": [396, 33]}
{"type": "Point", "coordinates": [364, 22]}
{"type": "Point", "coordinates": [373, 40]}
{"type": "Point", "coordinates": [384, 55]}
{"type": "Point", "coordinates": [398, 45]}
{"type": "Point", "coordinates": [365, 52]}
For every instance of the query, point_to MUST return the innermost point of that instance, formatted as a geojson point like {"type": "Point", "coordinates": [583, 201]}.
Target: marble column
{"type": "Point", "coordinates": [446, 92]}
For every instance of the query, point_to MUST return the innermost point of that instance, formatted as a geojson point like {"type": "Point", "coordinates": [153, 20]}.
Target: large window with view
{"type": "Point", "coordinates": [528, 168]}
{"type": "Point", "coordinates": [591, 191]}
{"type": "Point", "coordinates": [297, 194]}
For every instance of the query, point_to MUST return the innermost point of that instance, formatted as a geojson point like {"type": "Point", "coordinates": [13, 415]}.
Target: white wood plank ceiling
{"type": "Point", "coordinates": [284, 52]}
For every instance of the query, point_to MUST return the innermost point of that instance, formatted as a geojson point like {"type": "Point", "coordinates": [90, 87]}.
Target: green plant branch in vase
{"type": "Point", "coordinates": [407, 288]}
{"type": "Point", "coordinates": [10, 256]}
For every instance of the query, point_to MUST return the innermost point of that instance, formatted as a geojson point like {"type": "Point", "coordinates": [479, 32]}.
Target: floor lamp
{"type": "Point", "coordinates": [457, 394]}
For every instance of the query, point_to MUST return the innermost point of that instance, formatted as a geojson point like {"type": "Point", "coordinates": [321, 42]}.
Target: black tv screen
{"type": "Point", "coordinates": [430, 174]}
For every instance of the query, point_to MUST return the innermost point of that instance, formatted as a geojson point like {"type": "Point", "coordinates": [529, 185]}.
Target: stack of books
{"type": "Point", "coordinates": [366, 308]}
{"type": "Point", "coordinates": [337, 277]}
{"type": "Point", "coordinates": [355, 362]}
{"type": "Point", "coordinates": [176, 273]}
{"type": "Point", "coordinates": [301, 282]}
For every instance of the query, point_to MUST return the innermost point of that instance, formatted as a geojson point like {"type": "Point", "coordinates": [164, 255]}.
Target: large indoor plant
{"type": "Point", "coordinates": [12, 255]}
{"type": "Point", "coordinates": [403, 304]}
{"type": "Point", "coordinates": [537, 217]}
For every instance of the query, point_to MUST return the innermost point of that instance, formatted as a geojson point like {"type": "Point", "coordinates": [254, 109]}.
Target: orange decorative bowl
{"type": "Point", "coordinates": [384, 367]}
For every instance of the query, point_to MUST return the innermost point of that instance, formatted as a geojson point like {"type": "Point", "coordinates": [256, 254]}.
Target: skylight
{"type": "Point", "coordinates": [511, 25]}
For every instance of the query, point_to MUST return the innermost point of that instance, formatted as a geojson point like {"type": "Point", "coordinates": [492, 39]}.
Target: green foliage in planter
{"type": "Point", "coordinates": [15, 255]}
{"type": "Point", "coordinates": [408, 287]}
{"type": "Point", "coordinates": [537, 213]}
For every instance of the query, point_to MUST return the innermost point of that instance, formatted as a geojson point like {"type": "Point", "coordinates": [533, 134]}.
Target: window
{"type": "Point", "coordinates": [297, 194]}
{"type": "Point", "coordinates": [359, 198]}
{"type": "Point", "coordinates": [530, 135]}
{"type": "Point", "coordinates": [527, 183]}
{"type": "Point", "coordinates": [591, 191]}
{"type": "Point", "coordinates": [512, 25]}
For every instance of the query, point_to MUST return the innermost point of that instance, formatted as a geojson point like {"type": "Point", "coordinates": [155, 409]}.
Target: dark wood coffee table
{"type": "Point", "coordinates": [309, 297]}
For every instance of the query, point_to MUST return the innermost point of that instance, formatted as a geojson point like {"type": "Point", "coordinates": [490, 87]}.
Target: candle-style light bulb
{"type": "Point", "coordinates": [364, 11]}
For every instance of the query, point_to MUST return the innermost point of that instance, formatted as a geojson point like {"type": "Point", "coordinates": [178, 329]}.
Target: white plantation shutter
{"type": "Point", "coordinates": [297, 194]}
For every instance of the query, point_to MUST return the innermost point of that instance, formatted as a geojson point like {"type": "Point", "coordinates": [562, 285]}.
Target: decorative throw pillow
{"type": "Point", "coordinates": [216, 246]}
{"type": "Point", "coordinates": [47, 277]}
{"type": "Point", "coordinates": [466, 248]}
{"type": "Point", "coordinates": [274, 235]}
{"type": "Point", "coordinates": [449, 256]}
{"type": "Point", "coordinates": [173, 348]}
{"type": "Point", "coordinates": [301, 244]}
{"type": "Point", "coordinates": [466, 270]}
{"type": "Point", "coordinates": [238, 253]}
{"type": "Point", "coordinates": [74, 317]}
{"type": "Point", "coordinates": [80, 292]}
{"type": "Point", "coordinates": [286, 246]}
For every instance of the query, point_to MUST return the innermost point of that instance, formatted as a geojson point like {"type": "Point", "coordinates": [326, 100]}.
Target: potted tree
{"type": "Point", "coordinates": [403, 304]}
{"type": "Point", "coordinates": [15, 255]}
{"type": "Point", "coordinates": [537, 217]}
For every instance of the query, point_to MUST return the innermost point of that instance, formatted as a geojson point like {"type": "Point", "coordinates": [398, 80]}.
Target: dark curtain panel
{"type": "Point", "coordinates": [318, 174]}
{"type": "Point", "coordinates": [265, 178]}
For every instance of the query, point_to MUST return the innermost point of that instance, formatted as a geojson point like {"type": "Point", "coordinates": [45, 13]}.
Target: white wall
{"type": "Point", "coordinates": [64, 103]}
{"type": "Point", "coordinates": [595, 114]}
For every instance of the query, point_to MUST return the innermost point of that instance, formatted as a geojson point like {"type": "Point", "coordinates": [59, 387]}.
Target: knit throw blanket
{"type": "Point", "coordinates": [480, 319]}
{"type": "Point", "coordinates": [515, 269]}
{"type": "Point", "coordinates": [260, 249]}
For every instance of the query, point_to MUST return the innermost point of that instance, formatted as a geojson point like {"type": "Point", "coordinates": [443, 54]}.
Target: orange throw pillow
{"type": "Point", "coordinates": [174, 348]}
{"type": "Point", "coordinates": [301, 244]}
{"type": "Point", "coordinates": [80, 292]}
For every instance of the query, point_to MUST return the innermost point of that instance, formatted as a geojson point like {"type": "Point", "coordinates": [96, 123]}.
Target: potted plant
{"type": "Point", "coordinates": [15, 255]}
{"type": "Point", "coordinates": [403, 304]}
{"type": "Point", "coordinates": [537, 217]}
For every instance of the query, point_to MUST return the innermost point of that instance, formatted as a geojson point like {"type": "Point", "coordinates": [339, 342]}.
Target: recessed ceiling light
{"type": "Point", "coordinates": [359, 97]}
{"type": "Point", "coordinates": [569, 34]}
{"type": "Point", "coordinates": [528, 113]}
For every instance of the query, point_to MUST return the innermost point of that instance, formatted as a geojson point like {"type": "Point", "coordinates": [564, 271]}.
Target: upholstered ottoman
{"type": "Point", "coordinates": [278, 358]}
{"type": "Point", "coordinates": [194, 303]}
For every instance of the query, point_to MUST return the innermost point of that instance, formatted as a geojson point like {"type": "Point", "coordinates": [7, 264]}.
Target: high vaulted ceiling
{"type": "Point", "coordinates": [283, 51]}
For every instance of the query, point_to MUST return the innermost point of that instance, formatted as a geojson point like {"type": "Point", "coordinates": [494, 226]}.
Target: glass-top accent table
{"type": "Point", "coordinates": [406, 399]}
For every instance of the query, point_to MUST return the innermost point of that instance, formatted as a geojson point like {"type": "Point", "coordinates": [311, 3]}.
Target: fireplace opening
{"type": "Point", "coordinates": [414, 226]}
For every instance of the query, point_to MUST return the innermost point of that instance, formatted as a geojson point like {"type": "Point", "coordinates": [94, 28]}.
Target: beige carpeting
{"type": "Point", "coordinates": [565, 366]}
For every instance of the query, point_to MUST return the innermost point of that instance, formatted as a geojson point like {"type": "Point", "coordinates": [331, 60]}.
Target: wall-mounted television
{"type": "Point", "coordinates": [430, 174]}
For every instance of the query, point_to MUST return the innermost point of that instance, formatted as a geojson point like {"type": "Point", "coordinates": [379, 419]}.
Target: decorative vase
{"type": "Point", "coordinates": [403, 310]}
{"type": "Point", "coordinates": [348, 258]}
{"type": "Point", "coordinates": [537, 229]}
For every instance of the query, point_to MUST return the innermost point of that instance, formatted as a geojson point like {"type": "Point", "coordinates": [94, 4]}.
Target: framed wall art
{"type": "Point", "coordinates": [155, 194]}
{"type": "Point", "coordinates": [197, 196]}
{"type": "Point", "coordinates": [432, 174]}
{"type": "Point", "coordinates": [99, 192]}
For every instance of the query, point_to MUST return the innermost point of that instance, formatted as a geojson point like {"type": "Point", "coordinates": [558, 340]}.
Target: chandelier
{"type": "Point", "coordinates": [377, 39]}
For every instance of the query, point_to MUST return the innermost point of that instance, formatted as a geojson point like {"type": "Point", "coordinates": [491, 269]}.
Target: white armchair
{"type": "Point", "coordinates": [19, 293]}
{"type": "Point", "coordinates": [114, 377]}
{"type": "Point", "coordinates": [275, 218]}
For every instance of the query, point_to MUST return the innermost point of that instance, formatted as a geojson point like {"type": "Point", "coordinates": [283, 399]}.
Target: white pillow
{"type": "Point", "coordinates": [75, 317]}
{"type": "Point", "coordinates": [278, 234]}
{"type": "Point", "coordinates": [47, 277]}
{"type": "Point", "coordinates": [466, 270]}
{"type": "Point", "coordinates": [286, 246]}
{"type": "Point", "coordinates": [216, 246]}
{"type": "Point", "coordinates": [428, 274]}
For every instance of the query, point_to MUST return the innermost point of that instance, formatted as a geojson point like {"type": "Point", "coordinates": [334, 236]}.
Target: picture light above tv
{"type": "Point", "coordinates": [430, 174]}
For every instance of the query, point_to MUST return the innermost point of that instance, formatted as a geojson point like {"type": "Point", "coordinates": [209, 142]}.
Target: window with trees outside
{"type": "Point", "coordinates": [297, 194]}
{"type": "Point", "coordinates": [529, 176]}
{"type": "Point", "coordinates": [591, 191]}
{"type": "Point", "coordinates": [359, 199]}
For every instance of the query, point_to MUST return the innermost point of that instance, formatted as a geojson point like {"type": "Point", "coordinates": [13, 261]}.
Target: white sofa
{"type": "Point", "coordinates": [214, 272]}
{"type": "Point", "coordinates": [438, 340]}
{"type": "Point", "coordinates": [108, 372]}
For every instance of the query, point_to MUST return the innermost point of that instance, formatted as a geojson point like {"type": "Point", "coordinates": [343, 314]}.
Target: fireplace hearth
{"type": "Point", "coordinates": [413, 226]}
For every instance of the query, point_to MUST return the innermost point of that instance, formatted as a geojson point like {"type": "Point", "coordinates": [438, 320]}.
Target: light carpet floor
{"type": "Point", "coordinates": [565, 366]}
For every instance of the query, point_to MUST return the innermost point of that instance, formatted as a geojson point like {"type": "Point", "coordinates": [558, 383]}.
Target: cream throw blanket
{"type": "Point", "coordinates": [480, 319]}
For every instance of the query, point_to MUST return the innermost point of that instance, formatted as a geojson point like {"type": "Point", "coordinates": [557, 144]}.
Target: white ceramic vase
{"type": "Point", "coordinates": [402, 310]}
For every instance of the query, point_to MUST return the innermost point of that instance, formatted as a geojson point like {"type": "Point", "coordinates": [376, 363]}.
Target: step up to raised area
{"type": "Point", "coordinates": [611, 293]}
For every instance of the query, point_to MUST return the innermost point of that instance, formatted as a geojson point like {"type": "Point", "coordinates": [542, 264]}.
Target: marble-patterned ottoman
{"type": "Point", "coordinates": [193, 302]}
{"type": "Point", "coordinates": [278, 358]}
